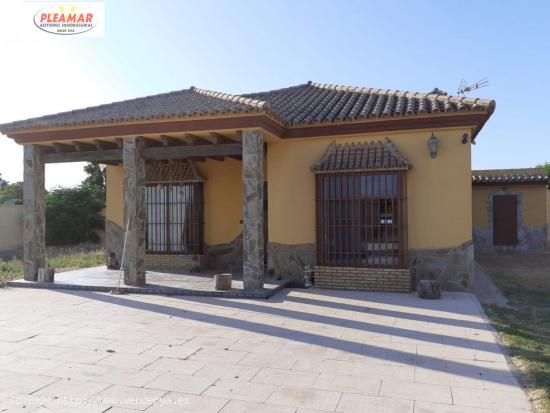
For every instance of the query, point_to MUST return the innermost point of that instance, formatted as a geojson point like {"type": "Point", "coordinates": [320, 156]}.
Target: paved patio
{"type": "Point", "coordinates": [300, 351]}
{"type": "Point", "coordinates": [101, 279]}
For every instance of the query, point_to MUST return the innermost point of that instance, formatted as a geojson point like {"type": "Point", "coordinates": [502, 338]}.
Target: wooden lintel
{"type": "Point", "coordinates": [157, 152]}
{"type": "Point", "coordinates": [195, 140]}
{"type": "Point", "coordinates": [178, 152]}
{"type": "Point", "coordinates": [86, 156]}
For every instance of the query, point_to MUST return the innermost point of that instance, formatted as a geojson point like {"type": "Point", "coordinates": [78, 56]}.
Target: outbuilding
{"type": "Point", "coordinates": [510, 209]}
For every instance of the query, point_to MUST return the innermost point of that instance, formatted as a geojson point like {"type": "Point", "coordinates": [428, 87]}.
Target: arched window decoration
{"type": "Point", "coordinates": [361, 206]}
{"type": "Point", "coordinates": [174, 203]}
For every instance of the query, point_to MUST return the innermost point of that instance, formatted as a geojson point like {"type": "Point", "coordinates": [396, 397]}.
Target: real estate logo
{"type": "Point", "coordinates": [82, 18]}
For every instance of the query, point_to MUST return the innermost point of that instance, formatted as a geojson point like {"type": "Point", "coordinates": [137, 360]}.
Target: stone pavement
{"type": "Point", "coordinates": [301, 351]}
{"type": "Point", "coordinates": [175, 282]}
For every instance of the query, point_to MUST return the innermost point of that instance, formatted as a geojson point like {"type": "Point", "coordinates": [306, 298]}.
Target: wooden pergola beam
{"type": "Point", "coordinates": [195, 140]}
{"type": "Point", "coordinates": [218, 138]}
{"type": "Point", "coordinates": [85, 156]}
{"type": "Point", "coordinates": [104, 145]}
{"type": "Point", "coordinates": [61, 147]}
{"type": "Point", "coordinates": [171, 141]}
{"type": "Point", "coordinates": [150, 143]}
{"type": "Point", "coordinates": [201, 151]}
{"type": "Point", "coordinates": [157, 152]}
{"type": "Point", "coordinates": [83, 147]}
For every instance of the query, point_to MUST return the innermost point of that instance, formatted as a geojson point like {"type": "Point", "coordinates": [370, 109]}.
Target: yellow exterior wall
{"type": "Point", "coordinates": [114, 210]}
{"type": "Point", "coordinates": [439, 190]}
{"type": "Point", "coordinates": [11, 227]}
{"type": "Point", "coordinates": [535, 204]}
{"type": "Point", "coordinates": [223, 200]}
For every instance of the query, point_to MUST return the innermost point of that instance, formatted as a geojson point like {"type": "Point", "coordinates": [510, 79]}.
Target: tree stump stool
{"type": "Point", "coordinates": [430, 289]}
{"type": "Point", "coordinates": [46, 275]}
{"type": "Point", "coordinates": [223, 281]}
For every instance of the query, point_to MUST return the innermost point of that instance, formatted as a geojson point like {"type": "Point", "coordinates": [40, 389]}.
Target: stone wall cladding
{"type": "Point", "coordinates": [226, 257]}
{"type": "Point", "coordinates": [114, 240]}
{"type": "Point", "coordinates": [452, 267]}
{"type": "Point", "coordinates": [287, 261]}
{"type": "Point", "coordinates": [368, 279]}
{"type": "Point", "coordinates": [184, 262]}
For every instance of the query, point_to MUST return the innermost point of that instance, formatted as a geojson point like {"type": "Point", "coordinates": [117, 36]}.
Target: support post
{"type": "Point", "coordinates": [34, 216]}
{"type": "Point", "coordinates": [134, 210]}
{"type": "Point", "coordinates": [253, 209]}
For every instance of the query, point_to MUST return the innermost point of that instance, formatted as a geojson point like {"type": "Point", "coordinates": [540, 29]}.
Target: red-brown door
{"type": "Point", "coordinates": [505, 220]}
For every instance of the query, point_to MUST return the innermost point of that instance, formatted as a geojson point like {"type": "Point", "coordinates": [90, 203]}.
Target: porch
{"type": "Point", "coordinates": [161, 208]}
{"type": "Point", "coordinates": [161, 282]}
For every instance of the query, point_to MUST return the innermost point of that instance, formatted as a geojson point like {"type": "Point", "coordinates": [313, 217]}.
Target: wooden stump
{"type": "Point", "coordinates": [223, 281]}
{"type": "Point", "coordinates": [430, 289]}
{"type": "Point", "coordinates": [46, 275]}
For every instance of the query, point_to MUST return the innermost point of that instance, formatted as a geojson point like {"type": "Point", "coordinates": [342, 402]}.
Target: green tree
{"type": "Point", "coordinates": [74, 214]}
{"type": "Point", "coordinates": [3, 182]}
{"type": "Point", "coordinates": [12, 194]}
{"type": "Point", "coordinates": [96, 175]}
{"type": "Point", "coordinates": [545, 165]}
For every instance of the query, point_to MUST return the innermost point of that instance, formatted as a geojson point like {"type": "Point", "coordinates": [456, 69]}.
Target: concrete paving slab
{"type": "Point", "coordinates": [302, 351]}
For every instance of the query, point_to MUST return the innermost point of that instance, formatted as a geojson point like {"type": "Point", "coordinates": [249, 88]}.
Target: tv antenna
{"type": "Point", "coordinates": [463, 87]}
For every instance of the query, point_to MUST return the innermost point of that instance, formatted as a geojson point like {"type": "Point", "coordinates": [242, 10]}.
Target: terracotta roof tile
{"type": "Point", "coordinates": [510, 176]}
{"type": "Point", "coordinates": [363, 156]}
{"type": "Point", "coordinates": [293, 106]}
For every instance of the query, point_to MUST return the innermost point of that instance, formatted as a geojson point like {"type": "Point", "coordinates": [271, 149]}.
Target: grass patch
{"type": "Point", "coordinates": [62, 259]}
{"type": "Point", "coordinates": [525, 327]}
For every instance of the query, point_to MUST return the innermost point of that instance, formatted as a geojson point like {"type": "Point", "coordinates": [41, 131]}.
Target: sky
{"type": "Point", "coordinates": [240, 46]}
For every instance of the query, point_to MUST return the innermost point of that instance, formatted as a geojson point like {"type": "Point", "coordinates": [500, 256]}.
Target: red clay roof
{"type": "Point", "coordinates": [304, 104]}
{"type": "Point", "coordinates": [510, 176]}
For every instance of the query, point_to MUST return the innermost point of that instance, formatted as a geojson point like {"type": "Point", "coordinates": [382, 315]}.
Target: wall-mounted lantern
{"type": "Point", "coordinates": [433, 145]}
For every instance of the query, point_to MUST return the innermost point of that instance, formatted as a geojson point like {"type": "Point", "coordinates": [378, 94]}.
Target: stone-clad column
{"type": "Point", "coordinates": [34, 217]}
{"type": "Point", "coordinates": [253, 210]}
{"type": "Point", "coordinates": [134, 210]}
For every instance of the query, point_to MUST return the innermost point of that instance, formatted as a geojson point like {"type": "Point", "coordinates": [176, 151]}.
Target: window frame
{"type": "Point", "coordinates": [345, 214]}
{"type": "Point", "coordinates": [166, 228]}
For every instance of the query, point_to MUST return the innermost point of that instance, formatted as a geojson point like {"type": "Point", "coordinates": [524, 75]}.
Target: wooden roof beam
{"type": "Point", "coordinates": [195, 140]}
{"type": "Point", "coordinates": [62, 148]}
{"type": "Point", "coordinates": [82, 147]}
{"type": "Point", "coordinates": [171, 141]}
{"type": "Point", "coordinates": [104, 145]}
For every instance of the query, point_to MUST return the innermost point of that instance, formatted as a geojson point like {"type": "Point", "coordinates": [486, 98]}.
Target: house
{"type": "Point", "coordinates": [511, 209]}
{"type": "Point", "coordinates": [372, 187]}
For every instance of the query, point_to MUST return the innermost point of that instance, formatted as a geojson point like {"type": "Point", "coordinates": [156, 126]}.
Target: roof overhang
{"type": "Point", "coordinates": [473, 120]}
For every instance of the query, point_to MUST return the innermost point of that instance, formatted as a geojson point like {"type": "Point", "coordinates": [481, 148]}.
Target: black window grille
{"type": "Point", "coordinates": [361, 219]}
{"type": "Point", "coordinates": [174, 218]}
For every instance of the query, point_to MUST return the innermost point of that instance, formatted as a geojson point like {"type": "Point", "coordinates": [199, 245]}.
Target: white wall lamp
{"type": "Point", "coordinates": [433, 145]}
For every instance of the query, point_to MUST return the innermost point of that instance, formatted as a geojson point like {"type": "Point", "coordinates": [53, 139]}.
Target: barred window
{"type": "Point", "coordinates": [174, 218]}
{"type": "Point", "coordinates": [360, 219]}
